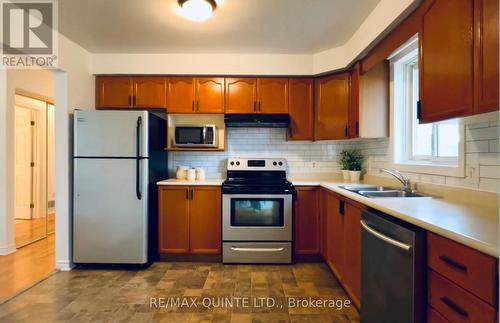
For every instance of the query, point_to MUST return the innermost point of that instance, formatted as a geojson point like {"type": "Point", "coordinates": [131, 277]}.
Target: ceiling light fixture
{"type": "Point", "coordinates": [197, 10]}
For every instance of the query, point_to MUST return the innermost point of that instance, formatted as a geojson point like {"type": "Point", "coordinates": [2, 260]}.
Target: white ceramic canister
{"type": "Point", "coordinates": [200, 174]}
{"type": "Point", "coordinates": [181, 172]}
{"type": "Point", "coordinates": [191, 174]}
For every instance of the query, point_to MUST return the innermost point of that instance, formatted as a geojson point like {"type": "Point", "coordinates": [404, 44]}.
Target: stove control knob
{"type": "Point", "coordinates": [274, 163]}
{"type": "Point", "coordinates": [280, 163]}
{"type": "Point", "coordinates": [237, 163]}
{"type": "Point", "coordinates": [232, 163]}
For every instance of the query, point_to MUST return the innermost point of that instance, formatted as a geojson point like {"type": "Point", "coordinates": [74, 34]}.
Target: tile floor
{"type": "Point", "coordinates": [201, 290]}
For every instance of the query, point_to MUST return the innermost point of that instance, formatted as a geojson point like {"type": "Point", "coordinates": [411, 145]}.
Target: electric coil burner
{"type": "Point", "coordinates": [257, 212]}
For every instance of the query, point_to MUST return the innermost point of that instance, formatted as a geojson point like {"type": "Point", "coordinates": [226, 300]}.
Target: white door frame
{"type": "Point", "coordinates": [39, 107]}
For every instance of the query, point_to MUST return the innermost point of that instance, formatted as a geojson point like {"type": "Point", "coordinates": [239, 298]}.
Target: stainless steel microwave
{"type": "Point", "coordinates": [202, 136]}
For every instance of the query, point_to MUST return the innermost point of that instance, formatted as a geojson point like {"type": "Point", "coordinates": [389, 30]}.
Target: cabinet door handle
{"type": "Point", "coordinates": [187, 193]}
{"type": "Point", "coordinates": [130, 100]}
{"type": "Point", "coordinates": [191, 193]}
{"type": "Point", "coordinates": [345, 131]}
{"type": "Point", "coordinates": [259, 106]}
{"type": "Point", "coordinates": [453, 263]}
{"type": "Point", "coordinates": [341, 207]}
{"type": "Point", "coordinates": [193, 106]}
{"type": "Point", "coordinates": [197, 105]}
{"type": "Point", "coordinates": [454, 306]}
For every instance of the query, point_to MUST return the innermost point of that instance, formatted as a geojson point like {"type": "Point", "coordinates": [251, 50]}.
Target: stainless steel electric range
{"type": "Point", "coordinates": [257, 211]}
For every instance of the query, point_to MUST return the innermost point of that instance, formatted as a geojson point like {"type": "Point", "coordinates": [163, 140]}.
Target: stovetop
{"type": "Point", "coordinates": [256, 176]}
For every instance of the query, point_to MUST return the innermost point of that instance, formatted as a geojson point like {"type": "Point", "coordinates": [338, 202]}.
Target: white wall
{"type": "Point", "coordinates": [38, 82]}
{"type": "Point", "coordinates": [73, 87]}
{"type": "Point", "coordinates": [384, 14]}
{"type": "Point", "coordinates": [243, 64]}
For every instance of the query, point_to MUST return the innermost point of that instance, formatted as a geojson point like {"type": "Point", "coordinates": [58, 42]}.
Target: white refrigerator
{"type": "Point", "coordinates": [117, 158]}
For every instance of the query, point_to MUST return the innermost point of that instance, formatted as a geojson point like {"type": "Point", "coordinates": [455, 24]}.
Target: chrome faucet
{"type": "Point", "coordinates": [400, 177]}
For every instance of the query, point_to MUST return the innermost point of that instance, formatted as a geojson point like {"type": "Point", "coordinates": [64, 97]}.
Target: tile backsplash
{"type": "Point", "coordinates": [304, 157]}
{"type": "Point", "coordinates": [482, 164]}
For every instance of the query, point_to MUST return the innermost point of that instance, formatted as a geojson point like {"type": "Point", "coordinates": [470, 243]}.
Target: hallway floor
{"type": "Point", "coordinates": [27, 231]}
{"type": "Point", "coordinates": [134, 295]}
{"type": "Point", "coordinates": [26, 266]}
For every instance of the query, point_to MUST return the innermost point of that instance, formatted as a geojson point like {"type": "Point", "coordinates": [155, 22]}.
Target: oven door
{"type": "Point", "coordinates": [256, 217]}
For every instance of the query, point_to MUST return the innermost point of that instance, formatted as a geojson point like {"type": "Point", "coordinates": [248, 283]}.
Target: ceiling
{"type": "Point", "coordinates": [237, 26]}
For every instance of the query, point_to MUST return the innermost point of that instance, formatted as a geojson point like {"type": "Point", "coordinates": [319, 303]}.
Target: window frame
{"type": "Point", "coordinates": [403, 126]}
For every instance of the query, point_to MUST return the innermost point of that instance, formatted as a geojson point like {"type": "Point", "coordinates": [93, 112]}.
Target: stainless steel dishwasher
{"type": "Point", "coordinates": [393, 270]}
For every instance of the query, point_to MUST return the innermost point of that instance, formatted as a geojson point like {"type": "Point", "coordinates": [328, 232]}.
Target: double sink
{"type": "Point", "coordinates": [381, 191]}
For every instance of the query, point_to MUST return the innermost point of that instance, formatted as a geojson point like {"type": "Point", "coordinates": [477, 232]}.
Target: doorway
{"type": "Point", "coordinates": [34, 192]}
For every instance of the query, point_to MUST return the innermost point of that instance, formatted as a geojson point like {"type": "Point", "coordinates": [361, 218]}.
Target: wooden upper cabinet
{"type": "Point", "coordinates": [332, 107]}
{"type": "Point", "coordinates": [301, 109]}
{"type": "Point", "coordinates": [149, 92]}
{"type": "Point", "coordinates": [486, 55]}
{"type": "Point", "coordinates": [272, 94]}
{"type": "Point", "coordinates": [205, 220]}
{"type": "Point", "coordinates": [354, 85]}
{"type": "Point", "coordinates": [306, 223]}
{"type": "Point", "coordinates": [210, 95]}
{"type": "Point", "coordinates": [181, 95]}
{"type": "Point", "coordinates": [241, 95]}
{"type": "Point", "coordinates": [174, 219]}
{"type": "Point", "coordinates": [446, 61]}
{"type": "Point", "coordinates": [114, 92]}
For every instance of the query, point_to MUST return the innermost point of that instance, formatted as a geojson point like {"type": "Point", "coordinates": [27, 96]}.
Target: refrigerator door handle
{"type": "Point", "coordinates": [138, 159]}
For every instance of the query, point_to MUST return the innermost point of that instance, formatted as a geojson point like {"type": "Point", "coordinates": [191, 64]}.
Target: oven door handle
{"type": "Point", "coordinates": [257, 249]}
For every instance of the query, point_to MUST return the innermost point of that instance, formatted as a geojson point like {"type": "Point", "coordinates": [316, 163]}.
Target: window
{"type": "Point", "coordinates": [434, 148]}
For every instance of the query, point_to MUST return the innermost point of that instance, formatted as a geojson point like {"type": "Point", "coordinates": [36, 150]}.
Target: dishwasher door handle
{"type": "Point", "coordinates": [385, 238]}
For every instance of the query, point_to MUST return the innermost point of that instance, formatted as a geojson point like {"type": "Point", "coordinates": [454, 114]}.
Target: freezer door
{"type": "Point", "coordinates": [110, 133]}
{"type": "Point", "coordinates": [110, 221]}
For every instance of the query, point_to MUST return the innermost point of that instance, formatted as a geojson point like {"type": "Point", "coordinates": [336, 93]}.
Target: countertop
{"type": "Point", "coordinates": [207, 182]}
{"type": "Point", "coordinates": [473, 225]}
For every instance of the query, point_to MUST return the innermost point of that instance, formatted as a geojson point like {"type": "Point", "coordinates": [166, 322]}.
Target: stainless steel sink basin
{"type": "Point", "coordinates": [392, 193]}
{"type": "Point", "coordinates": [380, 191]}
{"type": "Point", "coordinates": [358, 188]}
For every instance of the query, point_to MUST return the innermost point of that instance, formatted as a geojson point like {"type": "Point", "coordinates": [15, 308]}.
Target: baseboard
{"type": "Point", "coordinates": [191, 257]}
{"type": "Point", "coordinates": [64, 265]}
{"type": "Point", "coordinates": [4, 251]}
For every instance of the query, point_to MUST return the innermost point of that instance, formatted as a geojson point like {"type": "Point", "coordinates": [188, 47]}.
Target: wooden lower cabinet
{"type": "Point", "coordinates": [174, 219]}
{"type": "Point", "coordinates": [306, 224]}
{"type": "Point", "coordinates": [352, 251]}
{"type": "Point", "coordinates": [341, 241]}
{"type": "Point", "coordinates": [189, 220]}
{"type": "Point", "coordinates": [205, 220]}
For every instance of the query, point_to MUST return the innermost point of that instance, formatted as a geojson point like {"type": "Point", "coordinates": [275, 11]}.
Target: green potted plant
{"type": "Point", "coordinates": [344, 163]}
{"type": "Point", "coordinates": [351, 162]}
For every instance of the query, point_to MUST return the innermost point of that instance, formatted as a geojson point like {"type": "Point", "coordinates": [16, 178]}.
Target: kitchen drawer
{"type": "Point", "coordinates": [434, 317]}
{"type": "Point", "coordinates": [465, 266]}
{"type": "Point", "coordinates": [456, 304]}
